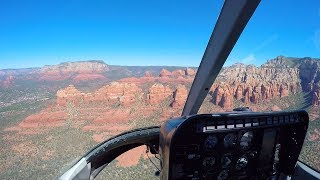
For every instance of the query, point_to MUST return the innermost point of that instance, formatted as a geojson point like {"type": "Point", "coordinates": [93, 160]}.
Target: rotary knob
{"type": "Point", "coordinates": [242, 162]}
{"type": "Point", "coordinates": [211, 142]}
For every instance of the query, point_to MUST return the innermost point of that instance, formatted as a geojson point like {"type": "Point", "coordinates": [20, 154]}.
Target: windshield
{"type": "Point", "coordinates": [74, 74]}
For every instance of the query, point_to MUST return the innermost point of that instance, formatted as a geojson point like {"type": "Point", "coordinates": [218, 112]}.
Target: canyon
{"type": "Point", "coordinates": [247, 83]}
{"type": "Point", "coordinates": [98, 101]}
{"type": "Point", "coordinates": [129, 99]}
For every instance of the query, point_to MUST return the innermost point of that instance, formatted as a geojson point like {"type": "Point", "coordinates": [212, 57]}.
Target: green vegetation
{"type": "Point", "coordinates": [43, 156]}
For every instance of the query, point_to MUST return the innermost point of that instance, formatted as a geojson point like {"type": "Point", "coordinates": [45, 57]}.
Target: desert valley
{"type": "Point", "coordinates": [50, 116]}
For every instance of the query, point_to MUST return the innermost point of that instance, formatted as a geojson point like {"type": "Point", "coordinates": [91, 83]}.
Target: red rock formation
{"type": "Point", "coordinates": [165, 73]}
{"type": "Point", "coordinates": [158, 93]}
{"type": "Point", "coordinates": [130, 93]}
{"type": "Point", "coordinates": [45, 118]}
{"type": "Point", "coordinates": [247, 95]}
{"type": "Point", "coordinates": [284, 91]}
{"type": "Point", "coordinates": [148, 74]}
{"type": "Point", "coordinates": [85, 67]}
{"type": "Point", "coordinates": [222, 95]}
{"type": "Point", "coordinates": [109, 93]}
{"type": "Point", "coordinates": [227, 100]}
{"type": "Point", "coordinates": [113, 93]}
{"type": "Point", "coordinates": [178, 72]}
{"type": "Point", "coordinates": [65, 71]}
{"type": "Point", "coordinates": [252, 93]}
{"type": "Point", "coordinates": [88, 77]}
{"type": "Point", "coordinates": [276, 78]}
{"type": "Point", "coordinates": [180, 96]}
{"type": "Point", "coordinates": [265, 92]}
{"type": "Point", "coordinates": [190, 72]}
{"type": "Point", "coordinates": [316, 96]}
{"type": "Point", "coordinates": [69, 94]}
{"type": "Point", "coordinates": [239, 92]}
{"type": "Point", "coordinates": [217, 95]}
{"type": "Point", "coordinates": [255, 97]}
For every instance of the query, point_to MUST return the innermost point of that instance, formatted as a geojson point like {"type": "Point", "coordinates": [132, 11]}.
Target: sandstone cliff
{"type": "Point", "coordinates": [277, 78]}
{"type": "Point", "coordinates": [79, 71]}
{"type": "Point", "coordinates": [113, 93]}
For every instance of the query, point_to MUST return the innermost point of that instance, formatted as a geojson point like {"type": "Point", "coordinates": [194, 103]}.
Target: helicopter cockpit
{"type": "Point", "coordinates": [240, 144]}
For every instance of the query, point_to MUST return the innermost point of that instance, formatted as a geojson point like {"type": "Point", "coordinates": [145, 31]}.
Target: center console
{"type": "Point", "coordinates": [234, 145]}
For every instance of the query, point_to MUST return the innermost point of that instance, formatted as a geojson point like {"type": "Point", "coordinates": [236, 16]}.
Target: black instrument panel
{"type": "Point", "coordinates": [242, 145]}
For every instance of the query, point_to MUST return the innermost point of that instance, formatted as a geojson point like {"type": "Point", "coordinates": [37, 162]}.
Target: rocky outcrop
{"type": "Point", "coordinates": [190, 72]}
{"type": "Point", "coordinates": [251, 93]}
{"type": "Point", "coordinates": [113, 93]}
{"type": "Point", "coordinates": [217, 95]}
{"type": "Point", "coordinates": [247, 95]}
{"type": "Point", "coordinates": [309, 73]}
{"type": "Point", "coordinates": [148, 74]}
{"type": "Point", "coordinates": [227, 100]}
{"type": "Point", "coordinates": [278, 78]}
{"type": "Point", "coordinates": [310, 78]}
{"type": "Point", "coordinates": [180, 96]}
{"type": "Point", "coordinates": [239, 93]}
{"type": "Point", "coordinates": [316, 96]}
{"type": "Point", "coordinates": [165, 73]}
{"type": "Point", "coordinates": [76, 67]}
{"type": "Point", "coordinates": [88, 77]}
{"type": "Point", "coordinates": [158, 93]}
{"type": "Point", "coordinates": [178, 72]}
{"type": "Point", "coordinates": [250, 74]}
{"type": "Point", "coordinates": [222, 95]}
{"type": "Point", "coordinates": [69, 94]}
{"type": "Point", "coordinates": [284, 90]}
{"type": "Point", "coordinates": [89, 69]}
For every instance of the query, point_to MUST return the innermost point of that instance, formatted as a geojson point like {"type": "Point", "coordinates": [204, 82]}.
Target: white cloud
{"type": "Point", "coordinates": [249, 59]}
{"type": "Point", "coordinates": [266, 42]}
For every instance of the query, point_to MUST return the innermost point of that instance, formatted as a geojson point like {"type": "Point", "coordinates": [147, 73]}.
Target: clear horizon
{"type": "Point", "coordinates": [144, 33]}
{"type": "Point", "coordinates": [226, 65]}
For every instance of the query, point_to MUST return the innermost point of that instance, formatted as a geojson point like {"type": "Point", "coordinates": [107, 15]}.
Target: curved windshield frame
{"type": "Point", "coordinates": [50, 115]}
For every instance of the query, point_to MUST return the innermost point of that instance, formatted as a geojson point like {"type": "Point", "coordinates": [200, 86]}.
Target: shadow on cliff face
{"type": "Point", "coordinates": [307, 100]}
{"type": "Point", "coordinates": [309, 72]}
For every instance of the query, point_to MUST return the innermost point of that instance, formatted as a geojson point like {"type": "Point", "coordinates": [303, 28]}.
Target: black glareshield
{"type": "Point", "coordinates": [234, 145]}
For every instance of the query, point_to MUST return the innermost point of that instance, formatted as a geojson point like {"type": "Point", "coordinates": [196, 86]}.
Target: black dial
{"type": "Point", "coordinates": [209, 161]}
{"type": "Point", "coordinates": [211, 142]}
{"type": "Point", "coordinates": [246, 140]}
{"type": "Point", "coordinates": [230, 140]}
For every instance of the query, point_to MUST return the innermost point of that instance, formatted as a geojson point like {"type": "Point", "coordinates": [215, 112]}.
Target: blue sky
{"type": "Point", "coordinates": [143, 32]}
